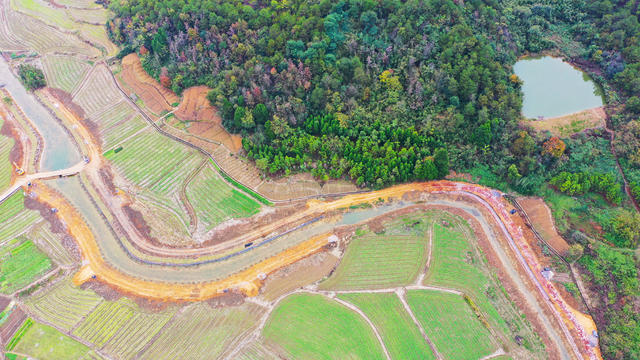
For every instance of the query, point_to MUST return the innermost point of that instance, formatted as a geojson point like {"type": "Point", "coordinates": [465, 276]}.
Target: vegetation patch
{"type": "Point", "coordinates": [312, 326]}
{"type": "Point", "coordinates": [21, 262]}
{"type": "Point", "coordinates": [46, 343]}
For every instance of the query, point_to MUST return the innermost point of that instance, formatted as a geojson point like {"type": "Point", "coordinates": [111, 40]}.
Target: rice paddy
{"type": "Point", "coordinates": [6, 144]}
{"type": "Point", "coordinates": [15, 218]}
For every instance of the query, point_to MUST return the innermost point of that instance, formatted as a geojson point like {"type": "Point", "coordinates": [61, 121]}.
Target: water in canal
{"type": "Point", "coordinates": [552, 87]}
{"type": "Point", "coordinates": [59, 151]}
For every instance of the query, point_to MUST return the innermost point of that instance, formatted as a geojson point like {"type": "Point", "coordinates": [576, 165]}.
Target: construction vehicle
{"type": "Point", "coordinates": [19, 170]}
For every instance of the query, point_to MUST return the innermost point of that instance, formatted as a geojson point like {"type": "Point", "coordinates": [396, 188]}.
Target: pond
{"type": "Point", "coordinates": [552, 87]}
{"type": "Point", "coordinates": [59, 151]}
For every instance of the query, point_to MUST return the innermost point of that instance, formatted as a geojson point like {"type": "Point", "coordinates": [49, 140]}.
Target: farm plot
{"type": "Point", "coordinates": [215, 201]}
{"type": "Point", "coordinates": [155, 96]}
{"type": "Point", "coordinates": [63, 304]}
{"type": "Point", "coordinates": [59, 18]}
{"type": "Point", "coordinates": [136, 333]}
{"type": "Point", "coordinates": [46, 343]}
{"type": "Point", "coordinates": [200, 332]}
{"type": "Point", "coordinates": [374, 261]}
{"type": "Point", "coordinates": [450, 323]}
{"type": "Point", "coordinates": [256, 350]}
{"type": "Point", "coordinates": [15, 218]}
{"type": "Point", "coordinates": [79, 4]}
{"type": "Point", "coordinates": [21, 262]}
{"type": "Point", "coordinates": [307, 326]}
{"type": "Point", "coordinates": [45, 39]}
{"type": "Point", "coordinates": [98, 92]}
{"type": "Point", "coordinates": [104, 321]}
{"type": "Point", "coordinates": [118, 123]}
{"type": "Point", "coordinates": [64, 72]}
{"type": "Point", "coordinates": [152, 161]}
{"type": "Point", "coordinates": [51, 243]}
{"type": "Point", "coordinates": [12, 319]}
{"type": "Point", "coordinates": [6, 144]}
{"type": "Point", "coordinates": [455, 264]}
{"type": "Point", "coordinates": [240, 169]}
{"type": "Point", "coordinates": [399, 333]}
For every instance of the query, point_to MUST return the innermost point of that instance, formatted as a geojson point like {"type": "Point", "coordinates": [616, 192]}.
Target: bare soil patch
{"type": "Point", "coordinates": [204, 119]}
{"type": "Point", "coordinates": [155, 96]}
{"type": "Point", "coordinates": [567, 125]}
{"type": "Point", "coordinates": [542, 221]}
{"type": "Point", "coordinates": [304, 272]}
{"type": "Point", "coordinates": [4, 301]}
{"type": "Point", "coordinates": [11, 325]}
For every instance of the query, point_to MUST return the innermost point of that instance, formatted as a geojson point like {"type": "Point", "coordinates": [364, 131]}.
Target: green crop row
{"type": "Point", "coordinates": [19, 334]}
{"type": "Point", "coordinates": [20, 265]}
{"type": "Point", "coordinates": [254, 194]}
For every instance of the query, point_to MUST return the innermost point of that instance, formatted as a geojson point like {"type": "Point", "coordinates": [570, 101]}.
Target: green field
{"type": "Point", "coordinates": [374, 261]}
{"type": "Point", "coordinates": [63, 304]}
{"type": "Point", "coordinates": [399, 333]}
{"type": "Point", "coordinates": [46, 343]}
{"type": "Point", "coordinates": [309, 326]}
{"type": "Point", "coordinates": [64, 72]}
{"type": "Point", "coordinates": [456, 264]}
{"type": "Point", "coordinates": [51, 243]}
{"type": "Point", "coordinates": [451, 324]}
{"type": "Point", "coordinates": [214, 201]}
{"type": "Point", "coordinates": [15, 218]}
{"type": "Point", "coordinates": [21, 262]}
{"type": "Point", "coordinates": [104, 321]}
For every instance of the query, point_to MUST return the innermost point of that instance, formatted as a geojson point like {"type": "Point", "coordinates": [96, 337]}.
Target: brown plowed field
{"type": "Point", "coordinates": [542, 221]}
{"type": "Point", "coordinates": [155, 96]}
{"type": "Point", "coordinates": [11, 325]}
{"type": "Point", "coordinates": [204, 119]}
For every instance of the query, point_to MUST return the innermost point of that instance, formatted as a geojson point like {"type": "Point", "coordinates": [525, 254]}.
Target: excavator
{"type": "Point", "coordinates": [19, 170]}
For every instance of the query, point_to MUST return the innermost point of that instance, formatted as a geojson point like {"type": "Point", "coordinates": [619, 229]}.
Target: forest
{"type": "Point", "coordinates": [388, 91]}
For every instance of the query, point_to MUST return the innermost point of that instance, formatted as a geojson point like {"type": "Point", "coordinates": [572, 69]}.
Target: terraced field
{"type": "Point", "coordinates": [98, 92]}
{"type": "Point", "coordinates": [64, 72]}
{"type": "Point", "coordinates": [15, 218]}
{"type": "Point", "coordinates": [309, 326]}
{"type": "Point", "coordinates": [117, 124]}
{"type": "Point", "coordinates": [44, 39]}
{"type": "Point", "coordinates": [104, 321]}
{"type": "Point", "coordinates": [63, 304]}
{"type": "Point", "coordinates": [214, 201]}
{"type": "Point", "coordinates": [200, 332]}
{"type": "Point", "coordinates": [60, 18]}
{"type": "Point", "coordinates": [46, 343]}
{"type": "Point", "coordinates": [374, 261]}
{"type": "Point", "coordinates": [448, 320]}
{"type": "Point", "coordinates": [399, 333]}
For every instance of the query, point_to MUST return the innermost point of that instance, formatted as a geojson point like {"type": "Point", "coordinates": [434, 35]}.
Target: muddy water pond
{"type": "Point", "coordinates": [552, 87]}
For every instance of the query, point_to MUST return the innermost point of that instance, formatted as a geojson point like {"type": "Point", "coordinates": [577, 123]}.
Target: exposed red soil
{"type": "Point", "coordinates": [11, 325]}
{"type": "Point", "coordinates": [56, 225]}
{"type": "Point", "coordinates": [231, 298]}
{"type": "Point", "coordinates": [16, 155]}
{"type": "Point", "coordinates": [204, 119]}
{"type": "Point", "coordinates": [541, 219]}
{"type": "Point", "coordinates": [155, 96]}
{"type": "Point", "coordinates": [4, 301]}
